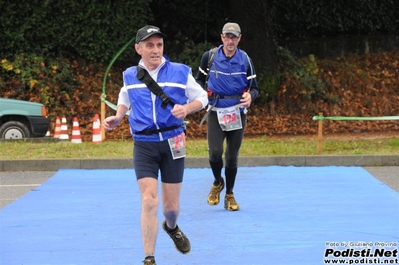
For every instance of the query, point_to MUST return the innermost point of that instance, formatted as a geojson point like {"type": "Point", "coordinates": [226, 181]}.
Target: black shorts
{"type": "Point", "coordinates": [151, 157]}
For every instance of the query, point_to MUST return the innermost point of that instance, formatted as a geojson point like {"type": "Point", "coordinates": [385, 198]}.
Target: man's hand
{"type": "Point", "coordinates": [110, 123]}
{"type": "Point", "coordinates": [179, 111]}
{"type": "Point", "coordinates": [246, 100]}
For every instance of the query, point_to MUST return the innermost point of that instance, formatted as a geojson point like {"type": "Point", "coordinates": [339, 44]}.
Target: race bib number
{"type": "Point", "coordinates": [229, 118]}
{"type": "Point", "coordinates": [177, 146]}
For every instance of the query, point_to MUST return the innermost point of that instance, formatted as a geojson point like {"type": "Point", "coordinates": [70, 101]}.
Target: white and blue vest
{"type": "Point", "coordinates": [146, 114]}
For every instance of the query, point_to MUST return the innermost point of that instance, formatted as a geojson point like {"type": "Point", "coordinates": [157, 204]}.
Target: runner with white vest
{"type": "Point", "coordinates": [159, 94]}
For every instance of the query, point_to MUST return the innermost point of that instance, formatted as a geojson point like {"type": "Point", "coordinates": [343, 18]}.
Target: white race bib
{"type": "Point", "coordinates": [177, 146]}
{"type": "Point", "coordinates": [229, 118]}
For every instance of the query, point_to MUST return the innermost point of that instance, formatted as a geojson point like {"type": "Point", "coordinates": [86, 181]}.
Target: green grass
{"type": "Point", "coordinates": [261, 146]}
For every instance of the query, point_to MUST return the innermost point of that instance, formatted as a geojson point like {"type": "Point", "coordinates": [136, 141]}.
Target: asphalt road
{"type": "Point", "coordinates": [14, 184]}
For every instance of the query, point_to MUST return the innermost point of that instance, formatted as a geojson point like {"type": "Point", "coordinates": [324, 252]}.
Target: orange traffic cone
{"type": "Point", "coordinates": [97, 138]}
{"type": "Point", "coordinates": [57, 130]}
{"type": "Point", "coordinates": [76, 138]}
{"type": "Point", "coordinates": [64, 130]}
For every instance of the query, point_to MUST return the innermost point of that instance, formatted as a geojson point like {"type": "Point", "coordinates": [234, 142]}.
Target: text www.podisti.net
{"type": "Point", "coordinates": [361, 253]}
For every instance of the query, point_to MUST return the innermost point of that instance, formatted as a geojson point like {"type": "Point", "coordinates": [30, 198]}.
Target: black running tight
{"type": "Point", "coordinates": [216, 138]}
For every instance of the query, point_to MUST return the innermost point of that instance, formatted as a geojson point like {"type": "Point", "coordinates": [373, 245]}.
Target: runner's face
{"type": "Point", "coordinates": [230, 43]}
{"type": "Point", "coordinates": [151, 51]}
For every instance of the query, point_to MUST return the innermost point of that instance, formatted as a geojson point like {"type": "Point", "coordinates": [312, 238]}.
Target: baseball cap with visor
{"type": "Point", "coordinates": [146, 32]}
{"type": "Point", "coordinates": [232, 28]}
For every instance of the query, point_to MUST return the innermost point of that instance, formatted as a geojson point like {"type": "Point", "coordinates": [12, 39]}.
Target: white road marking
{"type": "Point", "coordinates": [20, 185]}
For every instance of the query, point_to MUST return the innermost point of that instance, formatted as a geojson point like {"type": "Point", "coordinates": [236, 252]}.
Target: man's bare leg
{"type": "Point", "coordinates": [170, 203]}
{"type": "Point", "coordinates": [149, 206]}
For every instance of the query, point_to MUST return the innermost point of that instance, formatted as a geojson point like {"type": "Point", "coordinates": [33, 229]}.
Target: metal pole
{"type": "Point", "coordinates": [320, 134]}
{"type": "Point", "coordinates": [102, 119]}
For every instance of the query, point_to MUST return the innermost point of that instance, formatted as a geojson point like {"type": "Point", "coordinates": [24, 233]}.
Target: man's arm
{"type": "Point", "coordinates": [197, 99]}
{"type": "Point", "coordinates": [123, 106]}
{"type": "Point", "coordinates": [202, 70]}
{"type": "Point", "coordinates": [194, 92]}
{"type": "Point", "coordinates": [252, 80]}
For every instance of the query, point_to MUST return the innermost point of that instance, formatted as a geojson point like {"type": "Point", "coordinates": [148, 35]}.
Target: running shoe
{"type": "Point", "coordinates": [230, 203]}
{"type": "Point", "coordinates": [214, 194]}
{"type": "Point", "coordinates": [149, 261]}
{"type": "Point", "coordinates": [182, 243]}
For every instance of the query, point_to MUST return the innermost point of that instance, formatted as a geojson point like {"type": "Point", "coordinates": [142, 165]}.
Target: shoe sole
{"type": "Point", "coordinates": [213, 204]}
{"type": "Point", "coordinates": [232, 210]}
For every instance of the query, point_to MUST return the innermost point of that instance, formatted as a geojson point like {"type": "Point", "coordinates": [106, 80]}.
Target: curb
{"type": "Point", "coordinates": [202, 162]}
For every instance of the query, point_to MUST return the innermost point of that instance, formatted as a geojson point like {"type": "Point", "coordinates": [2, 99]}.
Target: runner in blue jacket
{"type": "Point", "coordinates": [228, 75]}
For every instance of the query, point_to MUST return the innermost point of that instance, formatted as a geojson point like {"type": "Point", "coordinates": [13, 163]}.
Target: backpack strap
{"type": "Point", "coordinates": [145, 77]}
{"type": "Point", "coordinates": [211, 58]}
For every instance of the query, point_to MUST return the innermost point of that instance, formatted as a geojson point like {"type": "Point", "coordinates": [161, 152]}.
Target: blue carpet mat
{"type": "Point", "coordinates": [287, 216]}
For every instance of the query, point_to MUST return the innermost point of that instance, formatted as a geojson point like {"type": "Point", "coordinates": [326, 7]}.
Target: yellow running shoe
{"type": "Point", "coordinates": [230, 203]}
{"type": "Point", "coordinates": [214, 194]}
